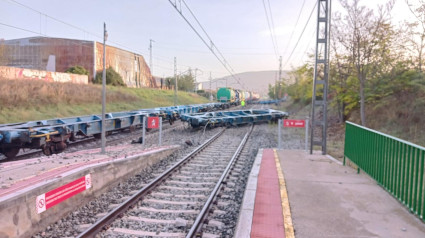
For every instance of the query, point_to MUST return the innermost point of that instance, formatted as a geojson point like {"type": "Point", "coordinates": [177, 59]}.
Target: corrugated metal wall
{"type": "Point", "coordinates": [33, 53]}
{"type": "Point", "coordinates": [132, 67]}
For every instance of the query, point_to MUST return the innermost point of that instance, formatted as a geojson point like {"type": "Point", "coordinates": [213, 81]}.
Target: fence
{"type": "Point", "coordinates": [395, 164]}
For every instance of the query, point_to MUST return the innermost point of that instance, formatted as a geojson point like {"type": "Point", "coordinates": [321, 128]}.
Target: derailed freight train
{"type": "Point", "coordinates": [235, 96]}
{"type": "Point", "coordinates": [53, 136]}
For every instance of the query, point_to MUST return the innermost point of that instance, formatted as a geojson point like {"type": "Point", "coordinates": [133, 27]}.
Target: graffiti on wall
{"type": "Point", "coordinates": [18, 73]}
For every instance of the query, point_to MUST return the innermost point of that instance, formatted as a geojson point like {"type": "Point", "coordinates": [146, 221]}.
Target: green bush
{"type": "Point", "coordinates": [77, 70]}
{"type": "Point", "coordinates": [112, 78]}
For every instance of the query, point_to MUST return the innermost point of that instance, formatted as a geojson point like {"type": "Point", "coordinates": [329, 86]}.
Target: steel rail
{"type": "Point", "coordinates": [112, 215]}
{"type": "Point", "coordinates": [195, 230]}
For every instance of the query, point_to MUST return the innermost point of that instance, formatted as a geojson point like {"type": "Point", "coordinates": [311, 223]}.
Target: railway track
{"type": "Point", "coordinates": [178, 202]}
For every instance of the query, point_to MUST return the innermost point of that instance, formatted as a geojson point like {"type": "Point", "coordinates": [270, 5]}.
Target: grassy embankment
{"type": "Point", "coordinates": [28, 100]}
{"type": "Point", "coordinates": [401, 116]}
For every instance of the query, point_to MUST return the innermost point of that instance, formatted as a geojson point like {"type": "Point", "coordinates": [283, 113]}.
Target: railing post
{"type": "Point", "coordinates": [306, 134]}
{"type": "Point", "coordinates": [160, 131]}
{"type": "Point", "coordinates": [279, 140]}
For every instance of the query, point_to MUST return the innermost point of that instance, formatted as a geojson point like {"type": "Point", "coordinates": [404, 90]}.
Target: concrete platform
{"type": "Point", "coordinates": [331, 200]}
{"type": "Point", "coordinates": [326, 199]}
{"type": "Point", "coordinates": [18, 214]}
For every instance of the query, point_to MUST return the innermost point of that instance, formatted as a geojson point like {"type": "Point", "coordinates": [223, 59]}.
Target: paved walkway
{"type": "Point", "coordinates": [331, 200]}
{"type": "Point", "coordinates": [326, 199]}
{"type": "Point", "coordinates": [268, 217]}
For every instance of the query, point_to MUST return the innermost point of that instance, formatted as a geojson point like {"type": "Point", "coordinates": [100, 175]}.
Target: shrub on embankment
{"type": "Point", "coordinates": [26, 100]}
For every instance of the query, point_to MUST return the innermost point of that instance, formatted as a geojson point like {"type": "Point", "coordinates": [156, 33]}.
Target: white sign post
{"type": "Point", "coordinates": [160, 132]}
{"type": "Point", "coordinates": [279, 140]}
{"type": "Point", "coordinates": [144, 130]}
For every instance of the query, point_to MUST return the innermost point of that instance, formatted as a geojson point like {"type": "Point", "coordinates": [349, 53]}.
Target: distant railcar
{"type": "Point", "coordinates": [226, 95]}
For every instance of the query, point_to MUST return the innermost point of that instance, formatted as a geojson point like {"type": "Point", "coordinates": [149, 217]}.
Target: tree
{"type": "Point", "coordinates": [4, 53]}
{"type": "Point", "coordinates": [185, 82]}
{"type": "Point", "coordinates": [112, 78]}
{"type": "Point", "coordinates": [415, 33]}
{"type": "Point", "coordinates": [364, 37]}
{"type": "Point", "coordinates": [77, 70]}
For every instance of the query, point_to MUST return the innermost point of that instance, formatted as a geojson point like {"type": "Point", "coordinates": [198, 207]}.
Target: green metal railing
{"type": "Point", "coordinates": [397, 165]}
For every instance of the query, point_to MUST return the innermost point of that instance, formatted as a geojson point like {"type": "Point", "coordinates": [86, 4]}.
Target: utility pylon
{"type": "Point", "coordinates": [321, 70]}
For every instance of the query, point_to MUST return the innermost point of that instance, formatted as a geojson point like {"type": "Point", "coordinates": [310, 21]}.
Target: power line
{"type": "Point", "coordinates": [298, 41]}
{"type": "Point", "coordinates": [295, 26]}
{"type": "Point", "coordinates": [22, 29]}
{"type": "Point", "coordinates": [80, 29]}
{"type": "Point", "coordinates": [272, 20]}
{"type": "Point", "coordinates": [212, 46]}
{"type": "Point", "coordinates": [272, 35]}
{"type": "Point", "coordinates": [76, 27]}
{"type": "Point", "coordinates": [209, 38]}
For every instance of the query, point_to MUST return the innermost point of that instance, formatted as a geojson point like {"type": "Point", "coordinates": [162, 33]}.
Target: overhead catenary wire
{"type": "Point", "coordinates": [299, 38]}
{"type": "Point", "coordinates": [272, 33]}
{"type": "Point", "coordinates": [210, 46]}
{"type": "Point", "coordinates": [295, 26]}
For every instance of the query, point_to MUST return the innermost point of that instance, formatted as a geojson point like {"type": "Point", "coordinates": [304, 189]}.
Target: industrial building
{"type": "Point", "coordinates": [58, 54]}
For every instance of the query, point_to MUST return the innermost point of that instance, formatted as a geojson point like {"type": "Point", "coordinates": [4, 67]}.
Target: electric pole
{"type": "Point", "coordinates": [210, 88]}
{"type": "Point", "coordinates": [150, 58]}
{"type": "Point", "coordinates": [103, 132]}
{"type": "Point", "coordinates": [275, 85]}
{"type": "Point", "coordinates": [175, 81]}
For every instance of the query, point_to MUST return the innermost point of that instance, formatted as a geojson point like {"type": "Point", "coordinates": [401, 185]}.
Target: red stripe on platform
{"type": "Point", "coordinates": [268, 216]}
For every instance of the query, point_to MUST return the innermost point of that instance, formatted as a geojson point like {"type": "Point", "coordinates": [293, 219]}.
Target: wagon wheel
{"type": "Point", "coordinates": [59, 147]}
{"type": "Point", "coordinates": [46, 149]}
{"type": "Point", "coordinates": [132, 128]}
{"type": "Point", "coordinates": [10, 153]}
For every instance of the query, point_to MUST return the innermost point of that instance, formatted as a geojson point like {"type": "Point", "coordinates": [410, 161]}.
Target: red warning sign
{"type": "Point", "coordinates": [153, 122]}
{"type": "Point", "coordinates": [58, 195]}
{"type": "Point", "coordinates": [293, 123]}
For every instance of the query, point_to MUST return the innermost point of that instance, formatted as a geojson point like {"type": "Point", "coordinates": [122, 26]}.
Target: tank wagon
{"type": "Point", "coordinates": [226, 95]}
{"type": "Point", "coordinates": [235, 96]}
{"type": "Point", "coordinates": [53, 136]}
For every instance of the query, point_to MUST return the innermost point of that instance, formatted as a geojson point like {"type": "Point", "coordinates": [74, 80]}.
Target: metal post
{"type": "Point", "coordinates": [210, 88]}
{"type": "Point", "coordinates": [103, 126]}
{"type": "Point", "coordinates": [279, 132]}
{"type": "Point", "coordinates": [150, 54]}
{"type": "Point", "coordinates": [306, 134]}
{"type": "Point", "coordinates": [280, 73]}
{"type": "Point", "coordinates": [160, 131]}
{"type": "Point", "coordinates": [175, 81]}
{"type": "Point", "coordinates": [144, 130]}
{"type": "Point", "coordinates": [321, 73]}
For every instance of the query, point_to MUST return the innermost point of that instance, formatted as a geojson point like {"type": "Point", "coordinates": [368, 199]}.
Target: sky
{"type": "Point", "coordinates": [238, 28]}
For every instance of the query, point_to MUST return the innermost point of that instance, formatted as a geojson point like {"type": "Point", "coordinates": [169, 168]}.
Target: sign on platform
{"type": "Point", "coordinates": [58, 195]}
{"type": "Point", "coordinates": [294, 123]}
{"type": "Point", "coordinates": [153, 122]}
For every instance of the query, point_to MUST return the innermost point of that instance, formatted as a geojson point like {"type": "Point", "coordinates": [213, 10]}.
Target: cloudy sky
{"type": "Point", "coordinates": [238, 28]}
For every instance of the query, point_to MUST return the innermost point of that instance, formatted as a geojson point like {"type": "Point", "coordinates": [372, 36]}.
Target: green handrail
{"type": "Point", "coordinates": [396, 165]}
